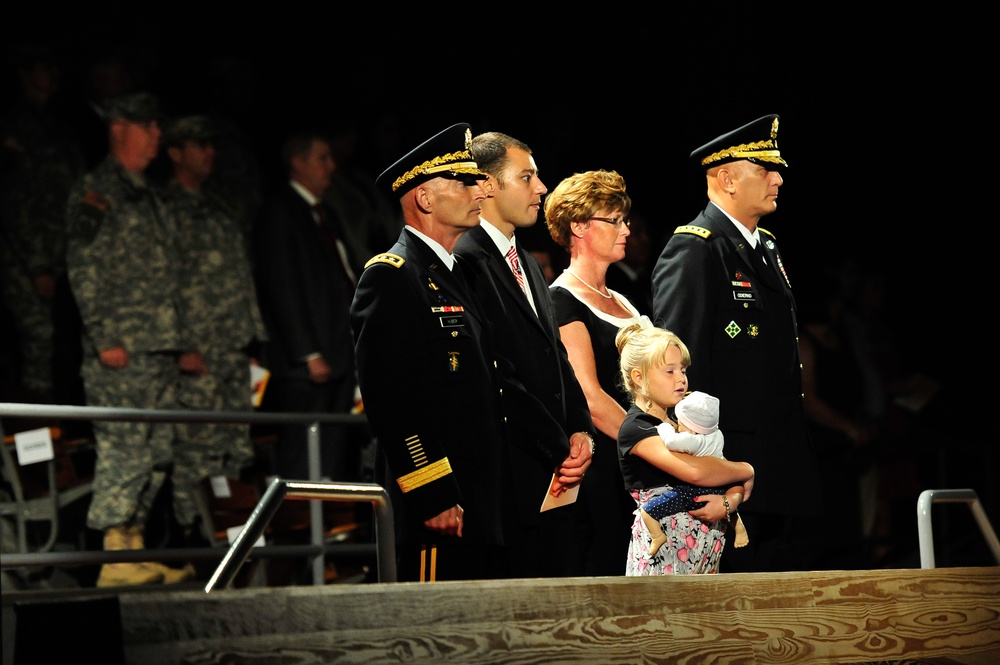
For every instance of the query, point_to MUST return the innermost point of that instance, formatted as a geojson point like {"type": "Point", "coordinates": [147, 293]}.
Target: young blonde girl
{"type": "Point", "coordinates": [654, 365]}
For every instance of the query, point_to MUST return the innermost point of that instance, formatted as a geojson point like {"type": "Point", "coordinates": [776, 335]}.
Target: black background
{"type": "Point", "coordinates": [884, 115]}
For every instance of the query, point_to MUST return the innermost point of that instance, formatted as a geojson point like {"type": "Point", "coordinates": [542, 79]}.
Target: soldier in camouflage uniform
{"type": "Point", "coordinates": [123, 270]}
{"type": "Point", "coordinates": [222, 325]}
{"type": "Point", "coordinates": [41, 160]}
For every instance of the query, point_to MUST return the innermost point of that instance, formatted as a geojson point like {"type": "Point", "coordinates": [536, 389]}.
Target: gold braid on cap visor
{"type": "Point", "coordinates": [441, 164]}
{"type": "Point", "coordinates": [746, 151]}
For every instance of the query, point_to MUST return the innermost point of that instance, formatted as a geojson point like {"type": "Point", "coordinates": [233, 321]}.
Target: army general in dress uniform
{"type": "Point", "coordinates": [427, 373]}
{"type": "Point", "coordinates": [721, 285]}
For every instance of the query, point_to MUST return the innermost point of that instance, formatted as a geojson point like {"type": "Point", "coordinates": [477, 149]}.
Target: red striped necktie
{"type": "Point", "coordinates": [515, 265]}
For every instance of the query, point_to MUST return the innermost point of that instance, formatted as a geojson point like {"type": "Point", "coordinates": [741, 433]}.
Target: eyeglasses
{"type": "Point", "coordinates": [614, 221]}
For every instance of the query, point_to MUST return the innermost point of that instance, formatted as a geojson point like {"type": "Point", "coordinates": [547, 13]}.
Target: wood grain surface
{"type": "Point", "coordinates": [946, 615]}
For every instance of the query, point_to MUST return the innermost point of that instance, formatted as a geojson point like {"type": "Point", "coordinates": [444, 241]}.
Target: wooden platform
{"type": "Point", "coordinates": [946, 615]}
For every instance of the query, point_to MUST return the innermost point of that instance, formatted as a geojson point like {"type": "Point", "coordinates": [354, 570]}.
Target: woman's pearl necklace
{"type": "Point", "coordinates": [608, 296]}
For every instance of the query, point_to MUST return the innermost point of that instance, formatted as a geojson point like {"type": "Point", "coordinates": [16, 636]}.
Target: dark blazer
{"type": "Point", "coordinates": [543, 401]}
{"type": "Point", "coordinates": [737, 317]}
{"type": "Point", "coordinates": [429, 385]}
{"type": "Point", "coordinates": [305, 294]}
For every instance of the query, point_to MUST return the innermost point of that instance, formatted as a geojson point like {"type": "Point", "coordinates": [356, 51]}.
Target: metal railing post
{"type": "Point", "coordinates": [264, 511]}
{"type": "Point", "coordinates": [315, 507]}
{"type": "Point", "coordinates": [925, 532]}
{"type": "Point", "coordinates": [280, 490]}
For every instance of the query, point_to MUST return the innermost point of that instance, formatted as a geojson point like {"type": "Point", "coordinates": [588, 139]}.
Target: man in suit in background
{"type": "Point", "coordinates": [720, 284]}
{"type": "Point", "coordinates": [305, 280]}
{"type": "Point", "coordinates": [548, 420]}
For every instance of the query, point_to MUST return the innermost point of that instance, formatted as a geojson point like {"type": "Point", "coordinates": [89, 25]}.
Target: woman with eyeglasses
{"type": "Point", "coordinates": [587, 214]}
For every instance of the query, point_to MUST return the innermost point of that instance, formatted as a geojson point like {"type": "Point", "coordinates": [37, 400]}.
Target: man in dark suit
{"type": "Point", "coordinates": [720, 284]}
{"type": "Point", "coordinates": [548, 420]}
{"type": "Point", "coordinates": [306, 278]}
{"type": "Point", "coordinates": [429, 373]}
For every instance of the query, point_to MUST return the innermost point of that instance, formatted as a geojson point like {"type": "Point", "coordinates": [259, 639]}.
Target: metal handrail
{"type": "Point", "coordinates": [68, 412]}
{"type": "Point", "coordinates": [279, 490]}
{"type": "Point", "coordinates": [925, 532]}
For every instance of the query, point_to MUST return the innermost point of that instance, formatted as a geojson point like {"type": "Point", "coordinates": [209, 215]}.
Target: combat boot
{"type": "Point", "coordinates": [125, 573]}
{"type": "Point", "coordinates": [167, 574]}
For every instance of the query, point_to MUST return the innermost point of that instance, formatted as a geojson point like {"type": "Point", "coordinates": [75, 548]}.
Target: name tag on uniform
{"type": "Point", "coordinates": [451, 321]}
{"type": "Point", "coordinates": [743, 296]}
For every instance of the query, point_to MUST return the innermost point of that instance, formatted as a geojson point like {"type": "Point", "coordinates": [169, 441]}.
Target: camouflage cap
{"type": "Point", "coordinates": [133, 107]}
{"type": "Point", "coordinates": [189, 128]}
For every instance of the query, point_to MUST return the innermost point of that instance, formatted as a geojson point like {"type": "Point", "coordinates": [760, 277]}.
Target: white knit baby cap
{"type": "Point", "coordinates": [699, 412]}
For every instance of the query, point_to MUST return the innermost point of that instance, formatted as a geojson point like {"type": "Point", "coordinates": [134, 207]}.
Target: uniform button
{"type": "Point", "coordinates": [558, 395]}
{"type": "Point", "coordinates": [746, 305]}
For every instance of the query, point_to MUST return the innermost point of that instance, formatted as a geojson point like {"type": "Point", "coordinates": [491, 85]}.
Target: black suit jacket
{"type": "Point", "coordinates": [737, 317]}
{"type": "Point", "coordinates": [305, 294]}
{"type": "Point", "coordinates": [428, 380]}
{"type": "Point", "coordinates": [543, 401]}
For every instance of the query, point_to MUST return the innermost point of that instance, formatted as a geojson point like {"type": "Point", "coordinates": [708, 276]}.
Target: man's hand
{"type": "Point", "coordinates": [116, 357]}
{"type": "Point", "coordinates": [192, 362]}
{"type": "Point", "coordinates": [449, 522]}
{"type": "Point", "coordinates": [45, 286]}
{"type": "Point", "coordinates": [571, 471]}
{"type": "Point", "coordinates": [319, 371]}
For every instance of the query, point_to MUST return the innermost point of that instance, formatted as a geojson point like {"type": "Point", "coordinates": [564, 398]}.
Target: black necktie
{"type": "Point", "coordinates": [760, 251]}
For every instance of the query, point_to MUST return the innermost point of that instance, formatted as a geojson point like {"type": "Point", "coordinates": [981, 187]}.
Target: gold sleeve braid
{"type": "Point", "coordinates": [424, 475]}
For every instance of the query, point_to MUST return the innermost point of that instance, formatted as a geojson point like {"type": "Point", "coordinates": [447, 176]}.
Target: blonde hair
{"type": "Point", "coordinates": [581, 196]}
{"type": "Point", "coordinates": [645, 348]}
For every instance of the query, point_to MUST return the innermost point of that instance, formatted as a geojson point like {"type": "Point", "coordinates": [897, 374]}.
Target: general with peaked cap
{"type": "Point", "coordinates": [428, 373]}
{"type": "Point", "coordinates": [134, 107]}
{"type": "Point", "coordinates": [721, 284]}
{"type": "Point", "coordinates": [447, 154]}
{"type": "Point", "coordinates": [755, 142]}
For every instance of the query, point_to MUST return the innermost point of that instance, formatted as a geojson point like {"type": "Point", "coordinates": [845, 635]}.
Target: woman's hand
{"type": "Point", "coordinates": [712, 510]}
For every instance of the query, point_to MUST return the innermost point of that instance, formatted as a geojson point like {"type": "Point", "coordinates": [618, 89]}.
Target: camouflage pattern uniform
{"type": "Point", "coordinates": [41, 161]}
{"type": "Point", "coordinates": [123, 270]}
{"type": "Point", "coordinates": [221, 321]}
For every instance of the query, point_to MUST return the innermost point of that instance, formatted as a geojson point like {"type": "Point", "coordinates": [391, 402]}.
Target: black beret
{"type": "Point", "coordinates": [447, 154]}
{"type": "Point", "coordinates": [755, 142]}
